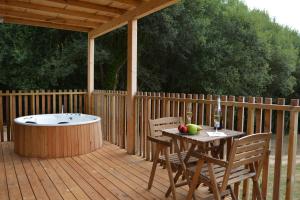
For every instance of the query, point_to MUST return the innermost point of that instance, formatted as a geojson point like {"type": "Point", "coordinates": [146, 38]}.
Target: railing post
{"type": "Point", "coordinates": [292, 149]}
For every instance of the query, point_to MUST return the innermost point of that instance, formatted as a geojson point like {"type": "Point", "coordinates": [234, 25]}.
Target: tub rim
{"type": "Point", "coordinates": [97, 118]}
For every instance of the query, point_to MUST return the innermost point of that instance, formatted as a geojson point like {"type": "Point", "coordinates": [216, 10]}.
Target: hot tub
{"type": "Point", "coordinates": [57, 135]}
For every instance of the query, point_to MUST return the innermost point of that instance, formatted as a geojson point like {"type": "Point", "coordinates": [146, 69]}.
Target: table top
{"type": "Point", "coordinates": [202, 136]}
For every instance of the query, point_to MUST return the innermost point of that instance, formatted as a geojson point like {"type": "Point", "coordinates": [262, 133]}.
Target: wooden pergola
{"type": "Point", "coordinates": [96, 17]}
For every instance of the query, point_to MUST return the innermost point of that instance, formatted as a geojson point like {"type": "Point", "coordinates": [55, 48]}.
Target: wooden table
{"type": "Point", "coordinates": [200, 139]}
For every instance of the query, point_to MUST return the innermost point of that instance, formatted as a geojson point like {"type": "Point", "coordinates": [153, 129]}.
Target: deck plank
{"type": "Point", "coordinates": [130, 178]}
{"type": "Point", "coordinates": [109, 185]}
{"type": "Point", "coordinates": [108, 173]}
{"type": "Point", "coordinates": [3, 182]}
{"type": "Point", "coordinates": [131, 181]}
{"type": "Point", "coordinates": [84, 185]}
{"type": "Point", "coordinates": [12, 181]}
{"type": "Point", "coordinates": [35, 183]}
{"type": "Point", "coordinates": [90, 179]}
{"type": "Point", "coordinates": [130, 192]}
{"type": "Point", "coordinates": [64, 191]}
{"type": "Point", "coordinates": [25, 187]}
{"type": "Point", "coordinates": [70, 183]}
{"type": "Point", "coordinates": [48, 185]}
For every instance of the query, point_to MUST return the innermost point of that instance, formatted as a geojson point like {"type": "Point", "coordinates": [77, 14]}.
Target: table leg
{"type": "Point", "coordinates": [195, 179]}
{"type": "Point", "coordinates": [182, 163]}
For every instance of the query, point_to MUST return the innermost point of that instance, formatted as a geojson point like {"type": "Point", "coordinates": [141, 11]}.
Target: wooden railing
{"type": "Point", "coordinates": [19, 103]}
{"type": "Point", "coordinates": [248, 114]}
{"type": "Point", "coordinates": [251, 115]}
{"type": "Point", "coordinates": [111, 107]}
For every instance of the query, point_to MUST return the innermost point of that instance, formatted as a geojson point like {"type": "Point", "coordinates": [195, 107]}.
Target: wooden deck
{"type": "Point", "coordinates": [108, 173]}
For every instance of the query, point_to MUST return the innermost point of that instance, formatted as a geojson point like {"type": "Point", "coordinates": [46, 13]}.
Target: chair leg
{"type": "Point", "coordinates": [257, 190]}
{"type": "Point", "coordinates": [178, 174]}
{"type": "Point", "coordinates": [170, 172]}
{"type": "Point", "coordinates": [232, 193]}
{"type": "Point", "coordinates": [213, 182]}
{"type": "Point", "coordinates": [155, 161]}
{"type": "Point", "coordinates": [195, 179]}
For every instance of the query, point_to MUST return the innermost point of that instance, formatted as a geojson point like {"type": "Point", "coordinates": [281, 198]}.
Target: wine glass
{"type": "Point", "coordinates": [189, 113]}
{"type": "Point", "coordinates": [216, 121]}
{"type": "Point", "coordinates": [217, 115]}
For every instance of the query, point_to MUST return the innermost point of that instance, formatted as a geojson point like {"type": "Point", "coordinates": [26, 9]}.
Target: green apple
{"type": "Point", "coordinates": [192, 129]}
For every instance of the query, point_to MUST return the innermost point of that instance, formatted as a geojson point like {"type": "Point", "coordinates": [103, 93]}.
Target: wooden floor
{"type": "Point", "coordinates": [108, 173]}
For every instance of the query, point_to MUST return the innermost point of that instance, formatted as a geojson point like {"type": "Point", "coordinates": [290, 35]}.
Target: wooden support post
{"type": "Point", "coordinates": [90, 74]}
{"type": "Point", "coordinates": [131, 84]}
{"type": "Point", "coordinates": [292, 149]}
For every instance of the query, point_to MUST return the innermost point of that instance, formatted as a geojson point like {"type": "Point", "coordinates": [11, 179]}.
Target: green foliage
{"type": "Point", "coordinates": [199, 46]}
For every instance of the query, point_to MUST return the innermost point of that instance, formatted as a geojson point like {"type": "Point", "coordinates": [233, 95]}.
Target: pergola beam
{"type": "Point", "coordinates": [143, 10]}
{"type": "Point", "coordinates": [13, 20]}
{"type": "Point", "coordinates": [97, 7]}
{"type": "Point", "coordinates": [54, 19]}
{"type": "Point", "coordinates": [56, 10]}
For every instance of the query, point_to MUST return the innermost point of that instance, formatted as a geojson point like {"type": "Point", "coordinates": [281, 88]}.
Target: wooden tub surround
{"type": "Point", "coordinates": [44, 141]}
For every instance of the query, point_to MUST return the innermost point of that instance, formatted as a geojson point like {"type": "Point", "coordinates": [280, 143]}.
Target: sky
{"type": "Point", "coordinates": [285, 12]}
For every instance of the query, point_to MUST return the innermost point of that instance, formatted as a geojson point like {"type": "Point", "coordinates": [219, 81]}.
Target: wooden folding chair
{"type": "Point", "coordinates": [245, 161]}
{"type": "Point", "coordinates": [163, 144]}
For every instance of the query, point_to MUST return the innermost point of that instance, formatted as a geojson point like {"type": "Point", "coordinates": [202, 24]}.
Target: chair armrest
{"type": "Point", "coordinates": [209, 159]}
{"type": "Point", "coordinates": [164, 140]}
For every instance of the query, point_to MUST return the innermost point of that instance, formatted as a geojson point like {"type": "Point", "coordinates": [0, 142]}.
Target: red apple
{"type": "Point", "coordinates": [184, 129]}
{"type": "Point", "coordinates": [180, 127]}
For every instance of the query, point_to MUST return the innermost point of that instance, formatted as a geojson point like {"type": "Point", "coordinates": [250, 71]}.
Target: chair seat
{"type": "Point", "coordinates": [175, 160]}
{"type": "Point", "coordinates": [237, 175]}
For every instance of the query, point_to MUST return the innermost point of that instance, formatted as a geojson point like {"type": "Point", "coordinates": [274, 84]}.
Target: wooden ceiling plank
{"type": "Point", "coordinates": [93, 6]}
{"type": "Point", "coordinates": [141, 11]}
{"type": "Point", "coordinates": [22, 4]}
{"type": "Point", "coordinates": [31, 16]}
{"type": "Point", "coordinates": [134, 3]}
{"type": "Point", "coordinates": [12, 20]}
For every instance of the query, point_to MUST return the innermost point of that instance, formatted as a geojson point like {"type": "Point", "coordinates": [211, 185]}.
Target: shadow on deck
{"type": "Point", "coordinates": [108, 173]}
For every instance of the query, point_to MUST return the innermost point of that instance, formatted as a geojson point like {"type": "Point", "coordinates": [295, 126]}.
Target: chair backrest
{"type": "Point", "coordinates": [247, 151]}
{"type": "Point", "coordinates": [157, 125]}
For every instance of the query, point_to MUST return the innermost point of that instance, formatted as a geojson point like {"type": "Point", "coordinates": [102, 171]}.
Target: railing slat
{"type": "Point", "coordinates": [201, 110]}
{"type": "Point", "coordinates": [267, 129]}
{"type": "Point", "coordinates": [1, 119]}
{"type": "Point", "coordinates": [258, 116]}
{"type": "Point", "coordinates": [278, 150]}
{"type": "Point", "coordinates": [208, 112]}
{"type": "Point", "coordinates": [43, 103]}
{"type": "Point", "coordinates": [292, 150]}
